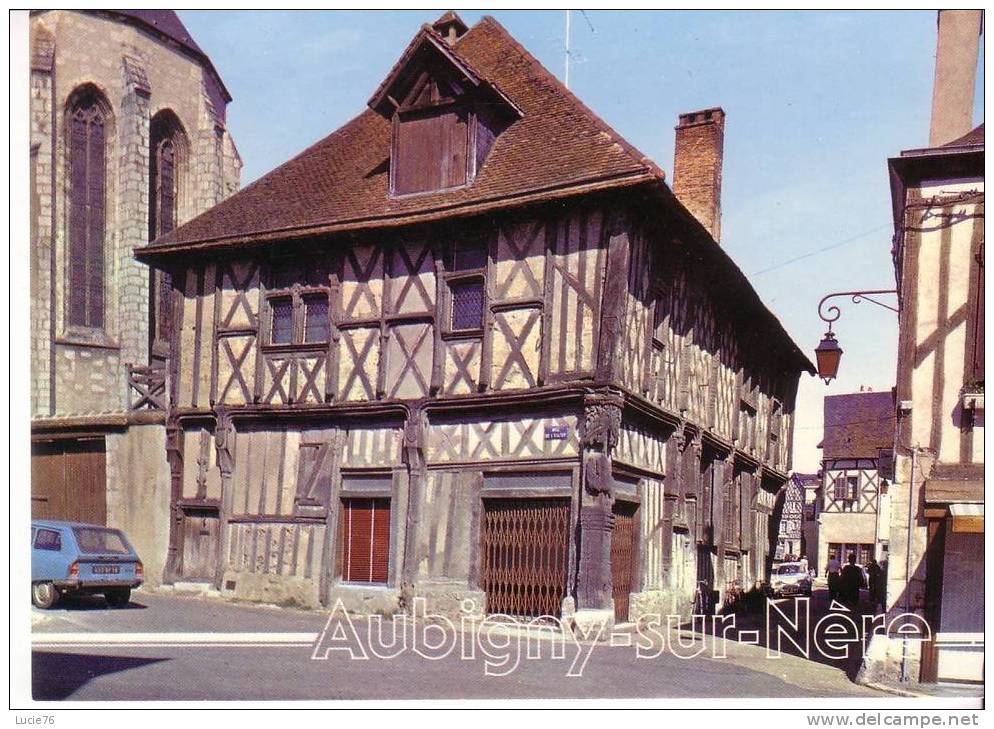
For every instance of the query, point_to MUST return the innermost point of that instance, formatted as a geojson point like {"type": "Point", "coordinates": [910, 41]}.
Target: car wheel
{"type": "Point", "coordinates": [44, 594]}
{"type": "Point", "coordinates": [118, 597]}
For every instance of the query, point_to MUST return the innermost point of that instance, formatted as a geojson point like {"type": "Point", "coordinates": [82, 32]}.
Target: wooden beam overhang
{"type": "Point", "coordinates": [507, 403]}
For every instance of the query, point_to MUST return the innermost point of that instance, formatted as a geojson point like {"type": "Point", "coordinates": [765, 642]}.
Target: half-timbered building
{"type": "Point", "coordinates": [471, 345]}
{"type": "Point", "coordinates": [854, 514]}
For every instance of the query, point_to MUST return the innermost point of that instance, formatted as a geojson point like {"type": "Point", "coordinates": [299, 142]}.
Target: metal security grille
{"type": "Point", "coordinates": [524, 550]}
{"type": "Point", "coordinates": [623, 557]}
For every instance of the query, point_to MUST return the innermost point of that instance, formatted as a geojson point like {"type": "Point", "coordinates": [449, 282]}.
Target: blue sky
{"type": "Point", "coordinates": [815, 101]}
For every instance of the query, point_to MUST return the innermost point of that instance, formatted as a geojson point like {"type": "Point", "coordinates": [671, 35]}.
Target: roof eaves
{"type": "Point", "coordinates": [164, 246]}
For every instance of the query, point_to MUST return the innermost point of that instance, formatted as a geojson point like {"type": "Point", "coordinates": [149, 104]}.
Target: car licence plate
{"type": "Point", "coordinates": [106, 569]}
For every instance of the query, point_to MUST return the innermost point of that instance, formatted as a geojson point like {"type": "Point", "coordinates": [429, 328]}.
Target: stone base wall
{"type": "Point", "coordinates": [661, 603]}
{"type": "Point", "coordinates": [282, 590]}
{"type": "Point", "coordinates": [138, 493]}
{"type": "Point", "coordinates": [448, 599]}
{"type": "Point", "coordinates": [883, 659]}
{"type": "Point", "coordinates": [367, 599]}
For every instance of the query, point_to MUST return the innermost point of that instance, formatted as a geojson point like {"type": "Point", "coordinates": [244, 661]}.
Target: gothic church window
{"type": "Point", "coordinates": [87, 144]}
{"type": "Point", "coordinates": [166, 151]}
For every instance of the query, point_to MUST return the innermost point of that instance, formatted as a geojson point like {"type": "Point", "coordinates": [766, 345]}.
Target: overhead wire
{"type": "Point", "coordinates": [824, 249]}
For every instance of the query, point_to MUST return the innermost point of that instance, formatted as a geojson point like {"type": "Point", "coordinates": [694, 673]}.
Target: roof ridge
{"type": "Point", "coordinates": [630, 149]}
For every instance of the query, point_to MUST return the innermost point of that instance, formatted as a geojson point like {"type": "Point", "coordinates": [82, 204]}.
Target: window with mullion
{"type": "Point", "coordinates": [298, 302]}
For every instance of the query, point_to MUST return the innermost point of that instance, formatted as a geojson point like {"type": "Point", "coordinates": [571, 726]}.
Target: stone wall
{"type": "Point", "coordinates": [138, 75]}
{"type": "Point", "coordinates": [138, 493]}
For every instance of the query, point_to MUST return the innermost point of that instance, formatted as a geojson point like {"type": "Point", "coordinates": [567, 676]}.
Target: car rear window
{"type": "Point", "coordinates": [48, 539]}
{"type": "Point", "coordinates": [92, 540]}
{"type": "Point", "coordinates": [789, 570]}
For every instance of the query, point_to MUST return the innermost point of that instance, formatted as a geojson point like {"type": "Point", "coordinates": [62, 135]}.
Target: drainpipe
{"type": "Point", "coordinates": [907, 563]}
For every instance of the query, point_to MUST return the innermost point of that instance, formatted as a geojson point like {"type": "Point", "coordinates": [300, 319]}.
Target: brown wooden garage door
{"type": "Point", "coordinates": [68, 481]}
{"type": "Point", "coordinates": [524, 552]}
{"type": "Point", "coordinates": [623, 546]}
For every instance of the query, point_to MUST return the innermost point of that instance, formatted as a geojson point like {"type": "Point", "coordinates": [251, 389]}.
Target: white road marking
{"type": "Point", "coordinates": [174, 639]}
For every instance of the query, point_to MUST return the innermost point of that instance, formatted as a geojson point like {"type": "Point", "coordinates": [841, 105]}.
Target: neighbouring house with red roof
{"type": "Point", "coordinates": [128, 138]}
{"type": "Point", "coordinates": [854, 510]}
{"type": "Point", "coordinates": [471, 348]}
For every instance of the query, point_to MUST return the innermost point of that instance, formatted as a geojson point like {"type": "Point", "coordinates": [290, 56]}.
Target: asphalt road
{"type": "Point", "coordinates": [167, 647]}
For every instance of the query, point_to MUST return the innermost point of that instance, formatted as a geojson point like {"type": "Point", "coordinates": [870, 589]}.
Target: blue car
{"type": "Point", "coordinates": [69, 558]}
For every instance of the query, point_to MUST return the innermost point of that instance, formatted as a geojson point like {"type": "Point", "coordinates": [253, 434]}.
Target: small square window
{"type": "Point", "coordinates": [282, 329]}
{"type": "Point", "coordinates": [316, 318]}
{"type": "Point", "coordinates": [467, 304]}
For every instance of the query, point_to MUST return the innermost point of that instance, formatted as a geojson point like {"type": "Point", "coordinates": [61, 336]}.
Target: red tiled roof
{"type": "Point", "coordinates": [558, 147]}
{"type": "Point", "coordinates": [857, 424]}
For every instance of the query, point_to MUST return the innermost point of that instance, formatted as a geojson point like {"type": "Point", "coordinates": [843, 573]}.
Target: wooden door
{"type": "Point", "coordinates": [68, 481]}
{"type": "Point", "coordinates": [201, 537]}
{"type": "Point", "coordinates": [624, 543]}
{"type": "Point", "coordinates": [524, 551]}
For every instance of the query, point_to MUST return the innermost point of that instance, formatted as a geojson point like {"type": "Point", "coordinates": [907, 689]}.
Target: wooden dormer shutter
{"type": "Point", "coordinates": [430, 150]}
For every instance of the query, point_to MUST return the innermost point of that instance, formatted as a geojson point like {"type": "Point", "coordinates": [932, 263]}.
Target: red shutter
{"type": "Point", "coordinates": [365, 540]}
{"type": "Point", "coordinates": [380, 552]}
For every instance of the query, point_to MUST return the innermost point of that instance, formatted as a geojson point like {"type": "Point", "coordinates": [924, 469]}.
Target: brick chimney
{"type": "Point", "coordinates": [955, 75]}
{"type": "Point", "coordinates": [700, 141]}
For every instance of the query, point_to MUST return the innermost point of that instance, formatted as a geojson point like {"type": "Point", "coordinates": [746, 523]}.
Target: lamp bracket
{"type": "Point", "coordinates": [832, 313]}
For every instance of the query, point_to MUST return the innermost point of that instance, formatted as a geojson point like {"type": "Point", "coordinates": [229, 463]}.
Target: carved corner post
{"type": "Point", "coordinates": [174, 456]}
{"type": "Point", "coordinates": [601, 425]}
{"type": "Point", "coordinates": [415, 432]}
{"type": "Point", "coordinates": [224, 443]}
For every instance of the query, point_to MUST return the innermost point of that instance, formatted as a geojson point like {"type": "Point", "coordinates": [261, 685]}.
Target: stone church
{"type": "Point", "coordinates": [472, 346]}
{"type": "Point", "coordinates": [128, 140]}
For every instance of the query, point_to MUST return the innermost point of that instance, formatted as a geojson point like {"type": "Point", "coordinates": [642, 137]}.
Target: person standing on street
{"type": "Point", "coordinates": [833, 577]}
{"type": "Point", "coordinates": [873, 580]}
{"type": "Point", "coordinates": [881, 591]}
{"type": "Point", "coordinates": [851, 581]}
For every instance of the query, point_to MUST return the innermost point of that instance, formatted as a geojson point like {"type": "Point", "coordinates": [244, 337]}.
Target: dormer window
{"type": "Point", "coordinates": [445, 118]}
{"type": "Point", "coordinates": [430, 148]}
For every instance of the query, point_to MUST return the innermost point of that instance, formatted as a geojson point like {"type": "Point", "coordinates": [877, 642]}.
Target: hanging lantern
{"type": "Point", "coordinates": [827, 356]}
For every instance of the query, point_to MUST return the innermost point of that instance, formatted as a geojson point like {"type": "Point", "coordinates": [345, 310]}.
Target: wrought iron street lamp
{"type": "Point", "coordinates": [828, 354]}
